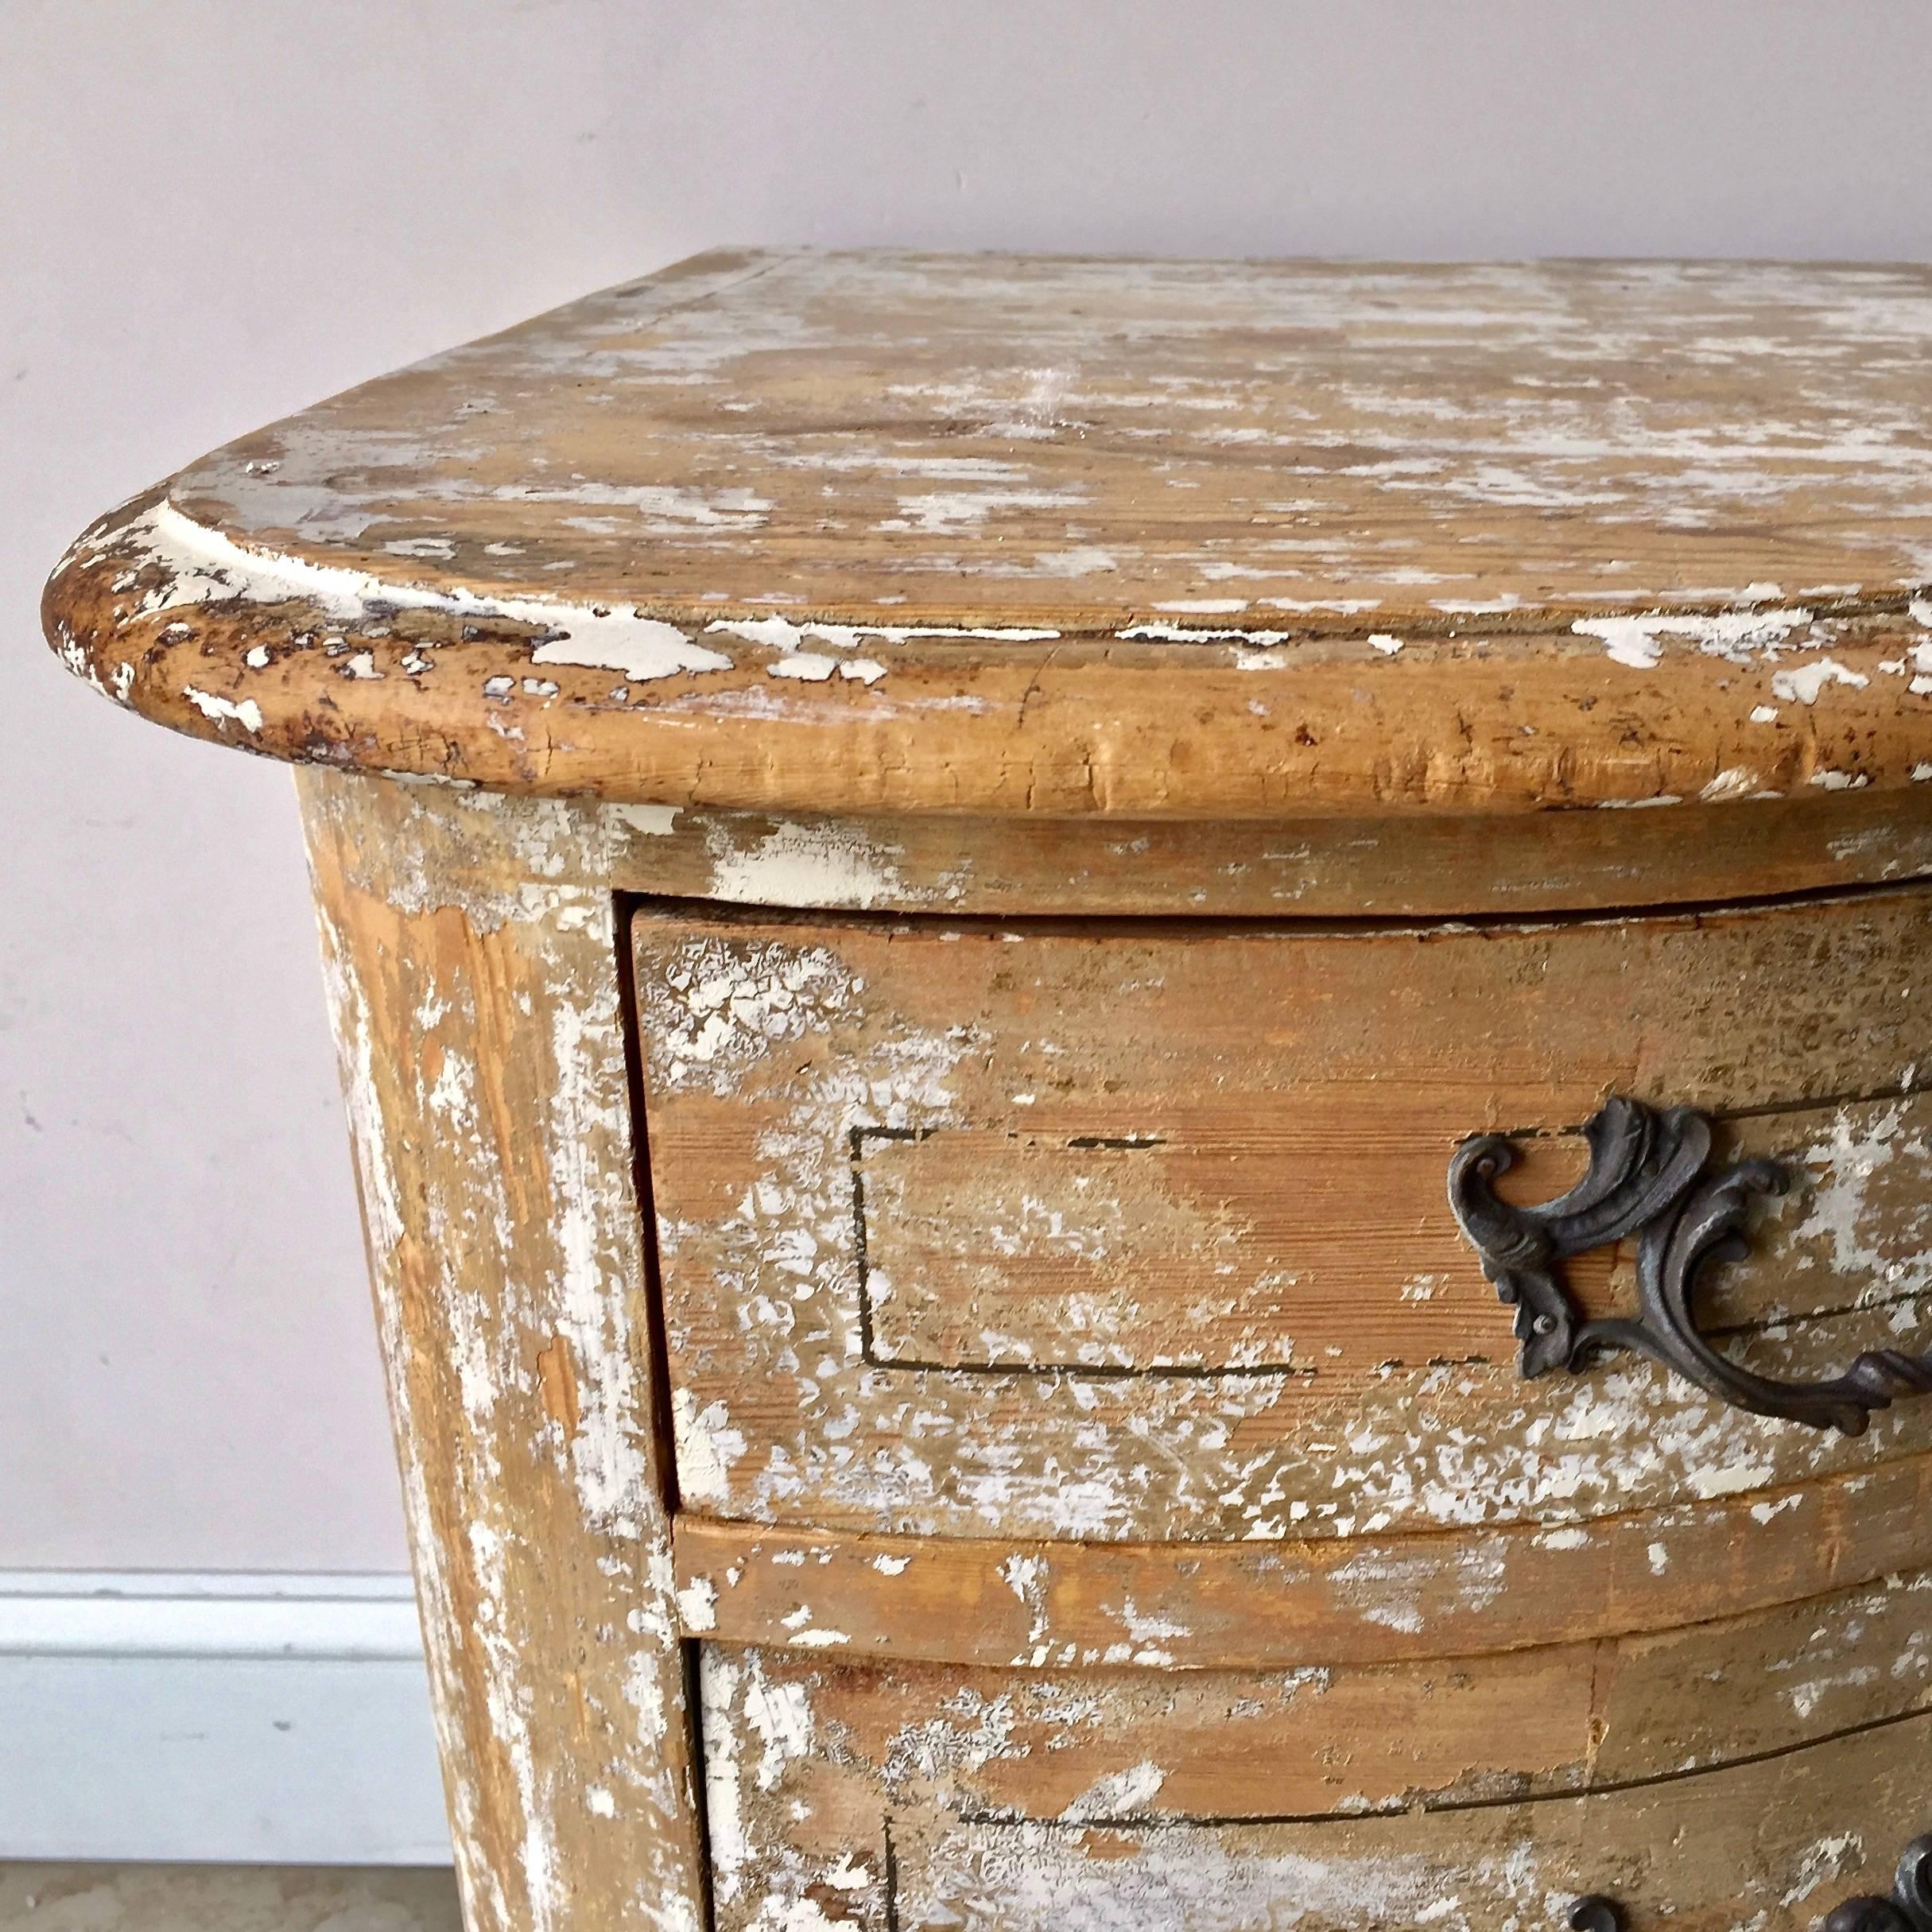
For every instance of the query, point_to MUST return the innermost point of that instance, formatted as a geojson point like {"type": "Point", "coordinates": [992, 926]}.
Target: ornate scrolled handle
{"type": "Point", "coordinates": [1651, 1174]}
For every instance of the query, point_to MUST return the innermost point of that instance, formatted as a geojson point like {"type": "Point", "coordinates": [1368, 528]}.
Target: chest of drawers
{"type": "Point", "coordinates": [1138, 1054]}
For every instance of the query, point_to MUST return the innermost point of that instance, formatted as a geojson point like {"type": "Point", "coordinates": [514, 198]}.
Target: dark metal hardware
{"type": "Point", "coordinates": [1651, 1174]}
{"type": "Point", "coordinates": [1909, 1909]}
{"type": "Point", "coordinates": [1595, 1914]}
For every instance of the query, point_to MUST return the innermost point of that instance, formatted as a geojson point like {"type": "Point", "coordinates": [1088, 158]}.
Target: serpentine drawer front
{"type": "Point", "coordinates": [1022, 1227]}
{"type": "Point", "coordinates": [1073, 1229]}
{"type": "Point", "coordinates": [1369, 1801]}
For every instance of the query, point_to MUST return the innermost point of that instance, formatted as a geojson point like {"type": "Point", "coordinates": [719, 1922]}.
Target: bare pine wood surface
{"type": "Point", "coordinates": [884, 532]}
{"type": "Point", "coordinates": [1315, 869]}
{"type": "Point", "coordinates": [481, 1034]}
{"type": "Point", "coordinates": [1176, 1605]}
{"type": "Point", "coordinates": [843, 1791]}
{"type": "Point", "coordinates": [996, 821]}
{"type": "Point", "coordinates": [1329, 1740]}
{"type": "Point", "coordinates": [1298, 868]}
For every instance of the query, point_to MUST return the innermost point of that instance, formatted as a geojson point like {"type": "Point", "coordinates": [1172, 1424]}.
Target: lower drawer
{"type": "Point", "coordinates": [1754, 1771]}
{"type": "Point", "coordinates": [1762, 1849]}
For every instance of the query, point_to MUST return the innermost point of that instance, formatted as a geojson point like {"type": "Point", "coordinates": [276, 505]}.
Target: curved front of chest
{"type": "Point", "coordinates": [1241, 1330]}
{"type": "Point", "coordinates": [1114, 1495]}
{"type": "Point", "coordinates": [1047, 1401]}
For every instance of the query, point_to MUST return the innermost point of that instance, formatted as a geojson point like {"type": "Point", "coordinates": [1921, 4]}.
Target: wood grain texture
{"type": "Point", "coordinates": [1323, 1740]}
{"type": "Point", "coordinates": [1299, 869]}
{"type": "Point", "coordinates": [1000, 1601]}
{"type": "Point", "coordinates": [1334, 1801]}
{"type": "Point", "coordinates": [481, 1037]}
{"type": "Point", "coordinates": [1771, 1846]}
{"type": "Point", "coordinates": [1708, 1703]}
{"type": "Point", "coordinates": [1140, 1232]}
{"type": "Point", "coordinates": [1305, 868]}
{"type": "Point", "coordinates": [1215, 1245]}
{"type": "Point", "coordinates": [1021, 536]}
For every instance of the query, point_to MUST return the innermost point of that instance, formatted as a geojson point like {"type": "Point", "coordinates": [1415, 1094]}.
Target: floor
{"type": "Point", "coordinates": [224, 1899]}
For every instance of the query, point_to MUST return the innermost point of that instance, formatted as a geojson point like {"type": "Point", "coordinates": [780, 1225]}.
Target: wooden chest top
{"type": "Point", "coordinates": [889, 531]}
{"type": "Point", "coordinates": [1067, 1237]}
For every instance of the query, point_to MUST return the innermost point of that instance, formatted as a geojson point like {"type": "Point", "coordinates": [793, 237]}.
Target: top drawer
{"type": "Point", "coordinates": [1141, 1233]}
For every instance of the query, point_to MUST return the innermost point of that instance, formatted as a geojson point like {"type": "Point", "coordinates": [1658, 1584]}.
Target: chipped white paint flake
{"type": "Point", "coordinates": [637, 647]}
{"type": "Point", "coordinates": [781, 634]}
{"type": "Point", "coordinates": [781, 1714]}
{"type": "Point", "coordinates": [1803, 683]}
{"type": "Point", "coordinates": [1120, 1794]}
{"type": "Point", "coordinates": [654, 820]}
{"type": "Point", "coordinates": [1730, 1478]}
{"type": "Point", "coordinates": [707, 1447]}
{"type": "Point", "coordinates": [1201, 633]}
{"type": "Point", "coordinates": [803, 863]}
{"type": "Point", "coordinates": [803, 664]}
{"type": "Point", "coordinates": [1735, 781]}
{"type": "Point", "coordinates": [697, 1604]}
{"type": "Point", "coordinates": [204, 566]}
{"type": "Point", "coordinates": [246, 712]}
{"type": "Point", "coordinates": [1638, 641]}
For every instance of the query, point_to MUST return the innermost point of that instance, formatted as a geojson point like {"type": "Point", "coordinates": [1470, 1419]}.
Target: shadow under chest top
{"type": "Point", "coordinates": [1140, 1055]}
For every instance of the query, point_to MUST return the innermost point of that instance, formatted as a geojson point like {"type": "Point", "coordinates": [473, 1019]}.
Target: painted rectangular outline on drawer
{"type": "Point", "coordinates": [866, 1246]}
{"type": "Point", "coordinates": [709, 1130]}
{"type": "Point", "coordinates": [870, 1235]}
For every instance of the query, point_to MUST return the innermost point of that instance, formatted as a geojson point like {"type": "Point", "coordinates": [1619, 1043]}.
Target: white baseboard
{"type": "Point", "coordinates": [280, 1720]}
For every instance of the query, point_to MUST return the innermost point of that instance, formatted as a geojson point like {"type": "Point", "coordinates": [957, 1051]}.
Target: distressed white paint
{"type": "Point", "coordinates": [1638, 641]}
{"type": "Point", "coordinates": [1805, 682]}
{"type": "Point", "coordinates": [577, 1143]}
{"type": "Point", "coordinates": [246, 713]}
{"type": "Point", "coordinates": [1103, 1459]}
{"type": "Point", "coordinates": [201, 566]}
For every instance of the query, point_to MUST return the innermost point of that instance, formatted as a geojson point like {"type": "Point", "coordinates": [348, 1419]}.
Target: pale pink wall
{"type": "Point", "coordinates": [211, 212]}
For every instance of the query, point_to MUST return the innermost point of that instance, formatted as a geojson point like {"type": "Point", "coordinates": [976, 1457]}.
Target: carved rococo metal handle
{"type": "Point", "coordinates": [1651, 1174]}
